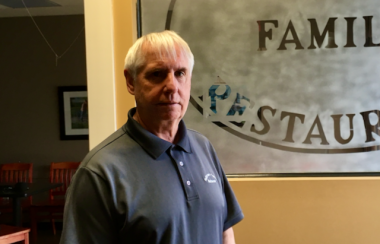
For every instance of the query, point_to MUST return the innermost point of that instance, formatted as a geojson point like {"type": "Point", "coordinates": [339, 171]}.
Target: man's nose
{"type": "Point", "coordinates": [171, 83]}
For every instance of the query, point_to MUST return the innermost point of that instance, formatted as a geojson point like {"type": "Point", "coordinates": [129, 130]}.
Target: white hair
{"type": "Point", "coordinates": [164, 43]}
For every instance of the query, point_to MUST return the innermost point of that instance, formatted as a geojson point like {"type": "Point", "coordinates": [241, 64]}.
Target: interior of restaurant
{"type": "Point", "coordinates": [286, 210]}
{"type": "Point", "coordinates": [30, 105]}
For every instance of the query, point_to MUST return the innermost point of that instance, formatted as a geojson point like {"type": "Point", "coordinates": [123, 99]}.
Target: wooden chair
{"type": "Point", "coordinates": [51, 209]}
{"type": "Point", "coordinates": [13, 173]}
{"type": "Point", "coordinates": [12, 234]}
{"type": "Point", "coordinates": [16, 172]}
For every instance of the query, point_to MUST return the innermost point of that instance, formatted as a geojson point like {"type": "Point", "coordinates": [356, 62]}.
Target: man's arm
{"type": "Point", "coordinates": [88, 215]}
{"type": "Point", "coordinates": [228, 236]}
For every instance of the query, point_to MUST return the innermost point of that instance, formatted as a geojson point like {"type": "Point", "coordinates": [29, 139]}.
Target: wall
{"type": "Point", "coordinates": [100, 73]}
{"type": "Point", "coordinates": [278, 210]}
{"type": "Point", "coordinates": [122, 41]}
{"type": "Point", "coordinates": [106, 84]}
{"type": "Point", "coordinates": [29, 122]}
{"type": "Point", "coordinates": [308, 210]}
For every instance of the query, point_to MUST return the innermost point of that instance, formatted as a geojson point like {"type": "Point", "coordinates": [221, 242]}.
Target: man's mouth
{"type": "Point", "coordinates": [168, 104]}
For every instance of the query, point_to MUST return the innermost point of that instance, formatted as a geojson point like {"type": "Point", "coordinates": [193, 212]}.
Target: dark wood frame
{"type": "Point", "coordinates": [63, 134]}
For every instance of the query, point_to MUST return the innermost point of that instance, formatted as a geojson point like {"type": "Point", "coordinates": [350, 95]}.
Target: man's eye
{"type": "Point", "coordinates": [180, 73]}
{"type": "Point", "coordinates": [156, 73]}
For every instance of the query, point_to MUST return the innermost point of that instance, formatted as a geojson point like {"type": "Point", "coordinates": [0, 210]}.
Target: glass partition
{"type": "Point", "coordinates": [285, 87]}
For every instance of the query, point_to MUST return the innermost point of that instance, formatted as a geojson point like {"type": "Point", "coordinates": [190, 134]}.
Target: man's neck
{"type": "Point", "coordinates": [166, 130]}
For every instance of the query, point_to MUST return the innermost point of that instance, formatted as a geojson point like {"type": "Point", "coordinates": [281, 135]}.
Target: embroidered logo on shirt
{"type": "Point", "coordinates": [210, 178]}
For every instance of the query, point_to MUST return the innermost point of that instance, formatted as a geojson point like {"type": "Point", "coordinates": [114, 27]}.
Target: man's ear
{"type": "Point", "coordinates": [130, 82]}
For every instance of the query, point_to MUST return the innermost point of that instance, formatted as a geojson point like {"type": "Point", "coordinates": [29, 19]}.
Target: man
{"type": "Point", "coordinates": [153, 180]}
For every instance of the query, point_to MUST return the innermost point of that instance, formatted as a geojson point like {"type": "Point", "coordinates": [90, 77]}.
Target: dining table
{"type": "Point", "coordinates": [17, 191]}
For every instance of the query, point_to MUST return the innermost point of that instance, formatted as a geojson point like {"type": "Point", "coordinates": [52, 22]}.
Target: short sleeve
{"type": "Point", "coordinates": [89, 212]}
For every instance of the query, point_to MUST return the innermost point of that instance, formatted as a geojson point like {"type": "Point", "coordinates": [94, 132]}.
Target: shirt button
{"type": "Point", "coordinates": [181, 163]}
{"type": "Point", "coordinates": [188, 183]}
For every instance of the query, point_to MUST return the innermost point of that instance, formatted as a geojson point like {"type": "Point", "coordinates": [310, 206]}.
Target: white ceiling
{"type": "Point", "coordinates": [67, 7]}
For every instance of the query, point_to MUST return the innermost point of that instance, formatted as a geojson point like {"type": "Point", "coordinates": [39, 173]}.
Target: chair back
{"type": "Point", "coordinates": [16, 172]}
{"type": "Point", "coordinates": [62, 172]}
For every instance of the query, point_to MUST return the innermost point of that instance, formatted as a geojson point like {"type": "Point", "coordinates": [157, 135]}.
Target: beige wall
{"type": "Point", "coordinates": [308, 210]}
{"type": "Point", "coordinates": [100, 70]}
{"type": "Point", "coordinates": [125, 24]}
{"type": "Point", "coordinates": [277, 210]}
{"type": "Point", "coordinates": [106, 48]}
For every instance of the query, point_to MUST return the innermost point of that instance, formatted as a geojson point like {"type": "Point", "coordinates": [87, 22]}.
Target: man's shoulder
{"type": "Point", "coordinates": [199, 141]}
{"type": "Point", "coordinates": [109, 151]}
{"type": "Point", "coordinates": [202, 147]}
{"type": "Point", "coordinates": [195, 135]}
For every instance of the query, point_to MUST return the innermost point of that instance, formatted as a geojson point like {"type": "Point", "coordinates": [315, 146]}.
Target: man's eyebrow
{"type": "Point", "coordinates": [156, 68]}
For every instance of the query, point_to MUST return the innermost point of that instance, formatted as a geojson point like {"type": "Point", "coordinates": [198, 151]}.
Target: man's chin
{"type": "Point", "coordinates": [170, 116]}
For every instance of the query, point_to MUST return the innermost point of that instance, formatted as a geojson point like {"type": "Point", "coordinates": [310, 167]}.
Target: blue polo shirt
{"type": "Point", "coordinates": [137, 188]}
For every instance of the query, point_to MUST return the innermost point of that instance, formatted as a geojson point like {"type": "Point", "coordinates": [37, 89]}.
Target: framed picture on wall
{"type": "Point", "coordinates": [73, 111]}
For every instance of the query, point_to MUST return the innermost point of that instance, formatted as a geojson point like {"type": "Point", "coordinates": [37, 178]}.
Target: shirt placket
{"type": "Point", "coordinates": [185, 174]}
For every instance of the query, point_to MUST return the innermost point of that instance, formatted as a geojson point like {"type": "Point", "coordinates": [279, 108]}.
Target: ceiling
{"type": "Point", "coordinates": [15, 8]}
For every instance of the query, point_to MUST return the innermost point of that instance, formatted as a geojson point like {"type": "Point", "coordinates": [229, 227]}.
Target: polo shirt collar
{"type": "Point", "coordinates": [151, 143]}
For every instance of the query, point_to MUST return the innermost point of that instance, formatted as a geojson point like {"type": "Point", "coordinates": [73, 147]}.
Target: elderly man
{"type": "Point", "coordinates": [153, 180]}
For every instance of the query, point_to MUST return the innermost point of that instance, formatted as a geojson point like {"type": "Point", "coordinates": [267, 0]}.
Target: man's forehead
{"type": "Point", "coordinates": [159, 57]}
{"type": "Point", "coordinates": [162, 52]}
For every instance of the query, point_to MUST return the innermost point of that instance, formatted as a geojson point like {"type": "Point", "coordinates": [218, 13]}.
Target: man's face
{"type": "Point", "coordinates": [162, 87]}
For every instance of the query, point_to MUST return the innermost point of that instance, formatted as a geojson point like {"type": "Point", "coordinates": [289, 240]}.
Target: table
{"type": "Point", "coordinates": [12, 234]}
{"type": "Point", "coordinates": [18, 191]}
